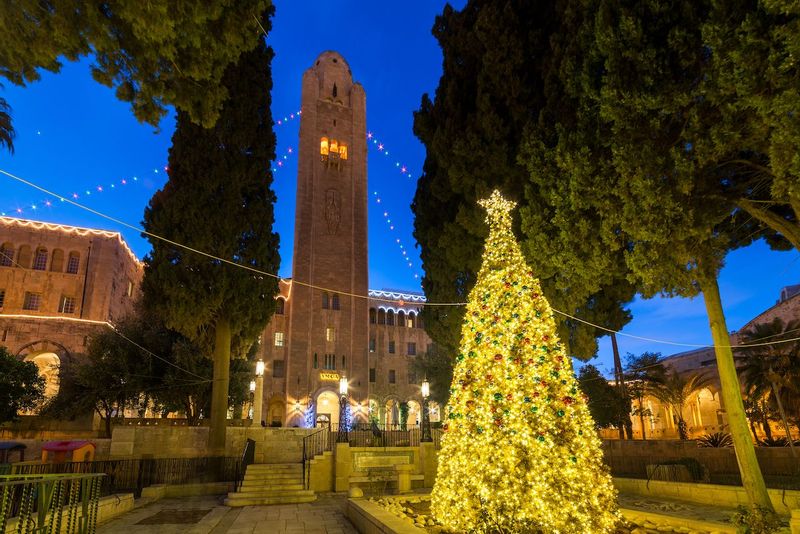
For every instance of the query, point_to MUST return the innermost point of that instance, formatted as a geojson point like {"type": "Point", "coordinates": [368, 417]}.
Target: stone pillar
{"type": "Point", "coordinates": [794, 523]}
{"type": "Point", "coordinates": [429, 460]}
{"type": "Point", "coordinates": [258, 401]}
{"type": "Point", "coordinates": [343, 467]}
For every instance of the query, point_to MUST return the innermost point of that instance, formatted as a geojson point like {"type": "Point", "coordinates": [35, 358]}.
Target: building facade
{"type": "Point", "coordinates": [329, 324]}
{"type": "Point", "coordinates": [58, 285]}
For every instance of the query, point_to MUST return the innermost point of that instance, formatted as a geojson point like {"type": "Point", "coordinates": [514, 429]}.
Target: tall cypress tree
{"type": "Point", "coordinates": [219, 200]}
{"type": "Point", "coordinates": [491, 92]}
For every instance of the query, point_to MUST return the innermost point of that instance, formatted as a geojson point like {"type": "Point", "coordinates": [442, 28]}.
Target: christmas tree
{"type": "Point", "coordinates": [520, 452]}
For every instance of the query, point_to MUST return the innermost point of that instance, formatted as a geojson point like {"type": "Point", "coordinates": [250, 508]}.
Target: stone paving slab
{"type": "Point", "coordinates": [323, 516]}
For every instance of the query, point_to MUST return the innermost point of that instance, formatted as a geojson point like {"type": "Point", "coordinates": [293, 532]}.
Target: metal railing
{"type": "Point", "coordinates": [386, 435]}
{"type": "Point", "coordinates": [313, 445]}
{"type": "Point", "coordinates": [49, 504]}
{"type": "Point", "coordinates": [133, 475]}
{"type": "Point", "coordinates": [248, 457]}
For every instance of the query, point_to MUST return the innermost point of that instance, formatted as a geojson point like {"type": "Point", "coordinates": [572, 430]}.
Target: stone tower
{"type": "Point", "coordinates": [328, 329]}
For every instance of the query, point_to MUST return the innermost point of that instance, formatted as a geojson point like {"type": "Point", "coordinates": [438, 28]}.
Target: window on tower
{"type": "Point", "coordinates": [323, 148]}
{"type": "Point", "coordinates": [343, 151]}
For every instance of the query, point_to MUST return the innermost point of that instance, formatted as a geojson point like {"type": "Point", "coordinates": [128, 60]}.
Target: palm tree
{"type": "Point", "coordinates": [771, 370]}
{"type": "Point", "coordinates": [674, 390]}
{"type": "Point", "coordinates": [640, 372]}
{"type": "Point", "coordinates": [6, 127]}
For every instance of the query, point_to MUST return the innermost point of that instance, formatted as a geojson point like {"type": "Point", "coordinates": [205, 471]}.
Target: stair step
{"type": "Point", "coordinates": [233, 501]}
{"type": "Point", "coordinates": [275, 467]}
{"type": "Point", "coordinates": [289, 486]}
{"type": "Point", "coordinates": [270, 492]}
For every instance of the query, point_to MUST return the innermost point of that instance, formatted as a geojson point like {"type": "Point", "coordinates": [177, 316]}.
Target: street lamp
{"type": "Point", "coordinates": [342, 436]}
{"type": "Point", "coordinates": [259, 391]}
{"type": "Point", "coordinates": [426, 418]}
{"type": "Point", "coordinates": [252, 395]}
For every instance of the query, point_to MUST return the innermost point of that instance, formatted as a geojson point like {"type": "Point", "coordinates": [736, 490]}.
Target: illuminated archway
{"type": "Point", "coordinates": [49, 365]}
{"type": "Point", "coordinates": [328, 407]}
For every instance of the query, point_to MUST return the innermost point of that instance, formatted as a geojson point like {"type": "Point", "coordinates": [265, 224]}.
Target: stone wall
{"type": "Point", "coordinates": [273, 445]}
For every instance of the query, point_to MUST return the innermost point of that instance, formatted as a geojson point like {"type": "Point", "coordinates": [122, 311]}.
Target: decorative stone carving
{"type": "Point", "coordinates": [333, 210]}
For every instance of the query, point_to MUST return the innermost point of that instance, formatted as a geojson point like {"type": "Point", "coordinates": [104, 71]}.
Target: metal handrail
{"type": "Point", "coordinates": [314, 444]}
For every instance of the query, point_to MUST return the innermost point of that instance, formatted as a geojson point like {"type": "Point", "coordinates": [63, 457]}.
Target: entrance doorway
{"type": "Point", "coordinates": [328, 409]}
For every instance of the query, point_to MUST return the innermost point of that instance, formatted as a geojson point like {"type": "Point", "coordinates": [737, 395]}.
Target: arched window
{"type": "Point", "coordinates": [335, 302]}
{"type": "Point", "coordinates": [323, 147]}
{"type": "Point", "coordinates": [390, 317]}
{"type": "Point", "coordinates": [343, 151]}
{"type": "Point", "coordinates": [280, 306]}
{"type": "Point", "coordinates": [40, 260]}
{"type": "Point", "coordinates": [401, 318]}
{"type": "Point", "coordinates": [73, 262]}
{"type": "Point", "coordinates": [24, 257]}
{"type": "Point", "coordinates": [373, 316]}
{"type": "Point", "coordinates": [334, 147]}
{"type": "Point", "coordinates": [381, 316]}
{"type": "Point", "coordinates": [7, 255]}
{"type": "Point", "coordinates": [57, 264]}
{"type": "Point", "coordinates": [412, 320]}
{"type": "Point", "coordinates": [325, 304]}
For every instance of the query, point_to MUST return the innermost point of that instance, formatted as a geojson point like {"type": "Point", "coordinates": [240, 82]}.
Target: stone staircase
{"type": "Point", "coordinates": [271, 484]}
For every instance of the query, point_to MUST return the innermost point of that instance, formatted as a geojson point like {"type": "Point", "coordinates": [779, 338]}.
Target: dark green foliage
{"type": "Point", "coordinates": [218, 200]}
{"type": "Point", "coordinates": [772, 371]}
{"type": "Point", "coordinates": [607, 406]}
{"type": "Point", "coordinates": [715, 440]}
{"type": "Point", "coordinates": [21, 387]}
{"type": "Point", "coordinates": [756, 520]}
{"type": "Point", "coordinates": [491, 91]}
{"type": "Point", "coordinates": [437, 367]}
{"type": "Point", "coordinates": [7, 133]}
{"type": "Point", "coordinates": [156, 53]}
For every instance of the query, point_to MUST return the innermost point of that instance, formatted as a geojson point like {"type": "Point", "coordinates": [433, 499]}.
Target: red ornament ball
{"type": "Point", "coordinates": [498, 357]}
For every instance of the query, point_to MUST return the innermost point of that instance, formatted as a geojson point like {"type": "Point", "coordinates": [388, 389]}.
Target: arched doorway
{"type": "Point", "coordinates": [275, 412]}
{"type": "Point", "coordinates": [435, 412]}
{"type": "Point", "coordinates": [392, 412]}
{"type": "Point", "coordinates": [49, 364]}
{"type": "Point", "coordinates": [414, 414]}
{"type": "Point", "coordinates": [327, 409]}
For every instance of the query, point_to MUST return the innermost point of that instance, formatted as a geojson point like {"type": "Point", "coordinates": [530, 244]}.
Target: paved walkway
{"type": "Point", "coordinates": [207, 515]}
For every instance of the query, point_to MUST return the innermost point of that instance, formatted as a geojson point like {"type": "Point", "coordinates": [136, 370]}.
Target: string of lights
{"type": "Point", "coordinates": [349, 294]}
{"type": "Point", "coordinates": [391, 226]}
{"type": "Point", "coordinates": [115, 185]}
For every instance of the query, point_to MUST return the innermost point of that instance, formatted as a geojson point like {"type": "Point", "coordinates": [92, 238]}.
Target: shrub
{"type": "Point", "coordinates": [694, 467]}
{"type": "Point", "coordinates": [775, 442]}
{"type": "Point", "coordinates": [716, 440]}
{"type": "Point", "coordinates": [756, 520]}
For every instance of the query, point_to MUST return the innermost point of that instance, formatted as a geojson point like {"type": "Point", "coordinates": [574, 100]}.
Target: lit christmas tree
{"type": "Point", "coordinates": [520, 452]}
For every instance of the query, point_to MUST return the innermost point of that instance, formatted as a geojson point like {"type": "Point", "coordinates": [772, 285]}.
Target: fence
{"type": "Point", "coordinates": [375, 435]}
{"type": "Point", "coordinates": [717, 465]}
{"type": "Point", "coordinates": [133, 475]}
{"type": "Point", "coordinates": [49, 503]}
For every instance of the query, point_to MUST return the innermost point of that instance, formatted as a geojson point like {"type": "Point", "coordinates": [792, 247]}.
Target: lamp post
{"type": "Point", "coordinates": [258, 392]}
{"type": "Point", "coordinates": [252, 396]}
{"type": "Point", "coordinates": [342, 436]}
{"type": "Point", "coordinates": [426, 418]}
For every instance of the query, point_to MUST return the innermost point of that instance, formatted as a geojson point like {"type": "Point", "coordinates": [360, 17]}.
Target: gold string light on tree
{"type": "Point", "coordinates": [520, 452]}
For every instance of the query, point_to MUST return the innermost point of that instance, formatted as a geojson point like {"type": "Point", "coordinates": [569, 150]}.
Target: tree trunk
{"type": "Point", "coordinates": [641, 417]}
{"type": "Point", "coordinates": [625, 424]}
{"type": "Point", "coordinates": [786, 228]}
{"type": "Point", "coordinates": [219, 388]}
{"type": "Point", "coordinates": [765, 425]}
{"type": "Point", "coordinates": [752, 479]}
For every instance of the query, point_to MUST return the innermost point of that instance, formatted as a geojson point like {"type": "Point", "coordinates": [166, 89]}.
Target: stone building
{"type": "Point", "coordinates": [705, 411]}
{"type": "Point", "coordinates": [325, 327]}
{"type": "Point", "coordinates": [58, 285]}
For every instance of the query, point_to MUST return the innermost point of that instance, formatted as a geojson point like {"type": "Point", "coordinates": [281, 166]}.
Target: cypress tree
{"type": "Point", "coordinates": [219, 200]}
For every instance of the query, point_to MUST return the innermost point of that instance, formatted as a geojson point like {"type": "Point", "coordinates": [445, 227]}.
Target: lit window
{"type": "Point", "coordinates": [343, 151]}
{"type": "Point", "coordinates": [391, 347]}
{"type": "Point", "coordinates": [66, 305]}
{"type": "Point", "coordinates": [392, 376]}
{"type": "Point", "coordinates": [278, 339]}
{"type": "Point", "coordinates": [73, 262]}
{"type": "Point", "coordinates": [330, 334]}
{"type": "Point", "coordinates": [40, 260]}
{"type": "Point", "coordinates": [412, 349]}
{"type": "Point", "coordinates": [129, 290]}
{"type": "Point", "coordinates": [372, 345]}
{"type": "Point", "coordinates": [32, 301]}
{"type": "Point", "coordinates": [7, 255]}
{"type": "Point", "coordinates": [2, 297]}
{"type": "Point", "coordinates": [334, 147]}
{"type": "Point", "coordinates": [323, 147]}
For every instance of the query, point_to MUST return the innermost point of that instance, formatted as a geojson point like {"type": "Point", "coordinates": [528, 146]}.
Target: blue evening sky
{"type": "Point", "coordinates": [74, 136]}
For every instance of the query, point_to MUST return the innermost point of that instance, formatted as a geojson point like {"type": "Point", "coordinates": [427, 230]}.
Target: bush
{"type": "Point", "coordinates": [756, 520]}
{"type": "Point", "coordinates": [775, 442]}
{"type": "Point", "coordinates": [716, 440]}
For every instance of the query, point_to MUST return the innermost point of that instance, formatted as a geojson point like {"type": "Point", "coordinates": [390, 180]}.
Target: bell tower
{"type": "Point", "coordinates": [328, 329]}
